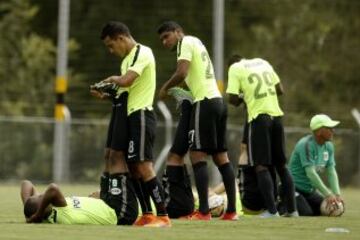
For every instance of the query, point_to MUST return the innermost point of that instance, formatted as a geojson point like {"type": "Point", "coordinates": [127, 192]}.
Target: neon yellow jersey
{"type": "Point", "coordinates": [141, 93]}
{"type": "Point", "coordinates": [256, 79]}
{"type": "Point", "coordinates": [200, 79]}
{"type": "Point", "coordinates": [83, 210]}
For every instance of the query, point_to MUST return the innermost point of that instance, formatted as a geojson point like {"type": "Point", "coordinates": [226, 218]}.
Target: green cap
{"type": "Point", "coordinates": [322, 120]}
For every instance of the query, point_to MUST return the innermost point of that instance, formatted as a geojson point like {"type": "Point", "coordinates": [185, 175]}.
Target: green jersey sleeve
{"type": "Point", "coordinates": [185, 51]}
{"type": "Point", "coordinates": [316, 180]}
{"type": "Point", "coordinates": [234, 80]}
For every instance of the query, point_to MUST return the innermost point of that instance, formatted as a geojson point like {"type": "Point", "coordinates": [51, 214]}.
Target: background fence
{"type": "Point", "coordinates": [26, 147]}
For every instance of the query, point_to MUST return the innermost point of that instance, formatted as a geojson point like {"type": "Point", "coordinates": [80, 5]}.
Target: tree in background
{"type": "Point", "coordinates": [27, 62]}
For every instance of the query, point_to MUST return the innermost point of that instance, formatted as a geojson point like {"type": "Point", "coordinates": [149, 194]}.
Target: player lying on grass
{"type": "Point", "coordinates": [52, 207]}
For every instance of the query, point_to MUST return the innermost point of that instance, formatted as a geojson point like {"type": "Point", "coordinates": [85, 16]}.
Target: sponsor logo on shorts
{"type": "Point", "coordinates": [115, 191]}
{"type": "Point", "coordinates": [114, 183]}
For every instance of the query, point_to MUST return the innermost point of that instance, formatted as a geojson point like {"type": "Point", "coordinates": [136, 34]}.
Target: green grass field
{"type": "Point", "coordinates": [12, 224]}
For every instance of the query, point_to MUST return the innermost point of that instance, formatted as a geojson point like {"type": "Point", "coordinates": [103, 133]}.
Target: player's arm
{"type": "Point", "coordinates": [316, 180]}
{"type": "Point", "coordinates": [178, 77]}
{"type": "Point", "coordinates": [52, 196]}
{"type": "Point", "coordinates": [98, 94]}
{"type": "Point", "coordinates": [334, 182]}
{"type": "Point", "coordinates": [234, 99]}
{"type": "Point", "coordinates": [27, 190]}
{"type": "Point", "coordinates": [125, 80]}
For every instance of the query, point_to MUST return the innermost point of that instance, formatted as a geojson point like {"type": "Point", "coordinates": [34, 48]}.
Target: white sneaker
{"type": "Point", "coordinates": [292, 214]}
{"type": "Point", "coordinates": [267, 214]}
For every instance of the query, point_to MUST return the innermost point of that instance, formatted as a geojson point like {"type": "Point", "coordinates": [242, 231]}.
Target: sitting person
{"type": "Point", "coordinates": [314, 154]}
{"type": "Point", "coordinates": [52, 207]}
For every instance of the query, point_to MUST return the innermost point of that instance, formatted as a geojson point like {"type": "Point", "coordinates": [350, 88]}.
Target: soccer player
{"type": "Point", "coordinates": [313, 154]}
{"type": "Point", "coordinates": [52, 207]}
{"type": "Point", "coordinates": [176, 180]}
{"type": "Point", "coordinates": [115, 168]}
{"type": "Point", "coordinates": [207, 135]}
{"type": "Point", "coordinates": [139, 76]}
{"type": "Point", "coordinates": [260, 85]}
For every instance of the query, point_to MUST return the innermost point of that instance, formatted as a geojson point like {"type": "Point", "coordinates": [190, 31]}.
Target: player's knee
{"type": "Point", "coordinates": [260, 168]}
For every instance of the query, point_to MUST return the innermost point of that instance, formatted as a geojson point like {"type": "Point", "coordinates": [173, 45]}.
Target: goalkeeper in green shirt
{"type": "Point", "coordinates": [312, 155]}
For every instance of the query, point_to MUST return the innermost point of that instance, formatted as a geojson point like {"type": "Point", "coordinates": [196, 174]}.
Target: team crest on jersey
{"type": "Point", "coordinates": [326, 156]}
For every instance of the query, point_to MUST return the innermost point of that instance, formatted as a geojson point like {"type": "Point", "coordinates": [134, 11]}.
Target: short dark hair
{"type": "Point", "coordinates": [234, 58]}
{"type": "Point", "coordinates": [168, 26]}
{"type": "Point", "coordinates": [114, 28]}
{"type": "Point", "coordinates": [30, 207]}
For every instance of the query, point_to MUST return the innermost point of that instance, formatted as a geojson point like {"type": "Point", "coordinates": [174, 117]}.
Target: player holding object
{"type": "Point", "coordinates": [313, 154]}
{"type": "Point", "coordinates": [115, 170]}
{"type": "Point", "coordinates": [207, 135]}
{"type": "Point", "coordinates": [260, 85]}
{"type": "Point", "coordinates": [138, 75]}
{"type": "Point", "coordinates": [52, 207]}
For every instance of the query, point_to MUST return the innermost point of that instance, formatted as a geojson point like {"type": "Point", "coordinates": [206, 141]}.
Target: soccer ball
{"type": "Point", "coordinates": [335, 209]}
{"type": "Point", "coordinates": [216, 205]}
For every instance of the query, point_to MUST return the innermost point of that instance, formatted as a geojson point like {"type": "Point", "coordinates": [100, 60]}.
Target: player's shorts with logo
{"type": "Point", "coordinates": [122, 198]}
{"type": "Point", "coordinates": [141, 127]}
{"type": "Point", "coordinates": [181, 141]}
{"type": "Point", "coordinates": [208, 126]}
{"type": "Point", "coordinates": [266, 141]}
{"type": "Point", "coordinates": [117, 137]}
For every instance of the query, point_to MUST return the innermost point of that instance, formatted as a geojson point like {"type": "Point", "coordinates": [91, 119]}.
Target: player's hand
{"type": "Point", "coordinates": [339, 199]}
{"type": "Point", "coordinates": [98, 94]}
{"type": "Point", "coordinates": [95, 194]}
{"type": "Point", "coordinates": [35, 218]}
{"type": "Point", "coordinates": [111, 79]}
{"type": "Point", "coordinates": [331, 199]}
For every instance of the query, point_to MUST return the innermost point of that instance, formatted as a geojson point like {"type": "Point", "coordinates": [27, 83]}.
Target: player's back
{"type": "Point", "coordinates": [84, 210]}
{"type": "Point", "coordinates": [258, 80]}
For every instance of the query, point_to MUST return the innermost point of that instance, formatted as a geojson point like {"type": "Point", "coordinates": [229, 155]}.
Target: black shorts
{"type": "Point", "coordinates": [266, 141]}
{"type": "Point", "coordinates": [141, 127]}
{"type": "Point", "coordinates": [117, 137]}
{"type": "Point", "coordinates": [208, 126]}
{"type": "Point", "coordinates": [181, 143]}
{"type": "Point", "coordinates": [250, 195]}
{"type": "Point", "coordinates": [124, 202]}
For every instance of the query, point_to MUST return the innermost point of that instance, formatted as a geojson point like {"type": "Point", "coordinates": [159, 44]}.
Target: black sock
{"type": "Point", "coordinates": [104, 185]}
{"type": "Point", "coordinates": [142, 195]}
{"type": "Point", "coordinates": [266, 186]}
{"type": "Point", "coordinates": [175, 173]}
{"type": "Point", "coordinates": [157, 194]}
{"type": "Point", "coordinates": [228, 177]}
{"type": "Point", "coordinates": [202, 184]}
{"type": "Point", "coordinates": [288, 188]}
